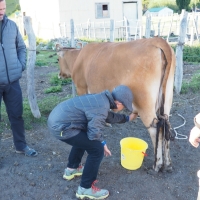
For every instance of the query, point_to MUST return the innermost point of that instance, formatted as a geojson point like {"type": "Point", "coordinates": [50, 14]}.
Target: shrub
{"type": "Point", "coordinates": [192, 85]}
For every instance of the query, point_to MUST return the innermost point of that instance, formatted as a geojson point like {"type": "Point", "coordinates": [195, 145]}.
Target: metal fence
{"type": "Point", "coordinates": [167, 27]}
{"type": "Point", "coordinates": [102, 30]}
{"type": "Point", "coordinates": [126, 29]}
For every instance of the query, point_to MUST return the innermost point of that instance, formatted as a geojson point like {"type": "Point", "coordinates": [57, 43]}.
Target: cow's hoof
{"type": "Point", "coordinates": [152, 172]}
{"type": "Point", "coordinates": [158, 168]}
{"type": "Point", "coordinates": [168, 169]}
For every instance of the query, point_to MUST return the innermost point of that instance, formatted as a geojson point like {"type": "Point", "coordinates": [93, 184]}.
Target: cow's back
{"type": "Point", "coordinates": [102, 66]}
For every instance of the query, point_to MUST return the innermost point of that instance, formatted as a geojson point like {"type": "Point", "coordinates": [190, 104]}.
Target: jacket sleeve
{"type": "Point", "coordinates": [21, 49]}
{"type": "Point", "coordinates": [116, 118]}
{"type": "Point", "coordinates": [96, 123]}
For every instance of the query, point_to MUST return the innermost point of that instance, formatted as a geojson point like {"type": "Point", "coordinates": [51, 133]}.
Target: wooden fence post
{"type": "Point", "coordinates": [195, 25]}
{"type": "Point", "coordinates": [104, 30]}
{"type": "Point", "coordinates": [88, 28]}
{"type": "Point", "coordinates": [169, 32]}
{"type": "Point", "coordinates": [65, 29]}
{"type": "Point", "coordinates": [136, 30]}
{"type": "Point", "coordinates": [112, 28]}
{"type": "Point", "coordinates": [148, 26]}
{"type": "Point", "coordinates": [30, 67]}
{"type": "Point", "coordinates": [126, 28]}
{"type": "Point", "coordinates": [82, 30]}
{"type": "Point", "coordinates": [179, 52]}
{"type": "Point", "coordinates": [77, 32]}
{"type": "Point", "coordinates": [72, 45]}
{"type": "Point", "coordinates": [94, 30]}
{"type": "Point", "coordinates": [192, 36]}
{"type": "Point", "coordinates": [159, 28]}
{"type": "Point", "coordinates": [72, 32]}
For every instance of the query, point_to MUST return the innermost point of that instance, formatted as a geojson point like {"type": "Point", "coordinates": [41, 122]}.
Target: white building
{"type": "Point", "coordinates": [158, 12]}
{"type": "Point", "coordinates": [47, 15]}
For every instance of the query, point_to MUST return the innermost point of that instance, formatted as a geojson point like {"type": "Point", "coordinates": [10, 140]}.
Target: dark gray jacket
{"type": "Point", "coordinates": [88, 113]}
{"type": "Point", "coordinates": [12, 52]}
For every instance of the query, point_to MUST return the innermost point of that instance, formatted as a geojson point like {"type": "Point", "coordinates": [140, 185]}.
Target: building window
{"type": "Point", "coordinates": [102, 10]}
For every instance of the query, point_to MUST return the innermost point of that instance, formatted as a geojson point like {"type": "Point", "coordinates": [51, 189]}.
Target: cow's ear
{"type": "Point", "coordinates": [58, 47]}
{"type": "Point", "coordinates": [79, 45]}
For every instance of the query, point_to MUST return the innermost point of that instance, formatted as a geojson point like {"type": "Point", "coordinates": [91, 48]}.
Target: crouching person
{"type": "Point", "coordinates": [79, 122]}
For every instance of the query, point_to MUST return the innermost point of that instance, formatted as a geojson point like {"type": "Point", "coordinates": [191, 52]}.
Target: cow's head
{"type": "Point", "coordinates": [66, 59]}
{"type": "Point", "coordinates": [64, 68]}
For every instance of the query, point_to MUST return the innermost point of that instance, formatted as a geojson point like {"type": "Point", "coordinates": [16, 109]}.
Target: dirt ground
{"type": "Point", "coordinates": [40, 178]}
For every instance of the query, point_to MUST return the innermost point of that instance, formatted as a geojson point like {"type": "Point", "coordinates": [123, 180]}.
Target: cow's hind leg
{"type": "Point", "coordinates": [168, 135]}
{"type": "Point", "coordinates": [164, 128]}
{"type": "Point", "coordinates": [167, 161]}
{"type": "Point", "coordinates": [157, 139]}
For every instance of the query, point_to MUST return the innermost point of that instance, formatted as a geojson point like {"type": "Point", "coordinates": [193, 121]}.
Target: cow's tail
{"type": "Point", "coordinates": [168, 54]}
{"type": "Point", "coordinates": [168, 65]}
{"type": "Point", "coordinates": [163, 124]}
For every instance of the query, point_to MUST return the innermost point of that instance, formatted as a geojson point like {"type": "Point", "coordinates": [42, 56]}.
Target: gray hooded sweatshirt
{"type": "Point", "coordinates": [87, 113]}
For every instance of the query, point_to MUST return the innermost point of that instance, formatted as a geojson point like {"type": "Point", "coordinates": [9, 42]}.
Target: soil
{"type": "Point", "coordinates": [40, 178]}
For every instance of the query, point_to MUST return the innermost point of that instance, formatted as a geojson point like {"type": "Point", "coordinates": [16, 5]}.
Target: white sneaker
{"type": "Point", "coordinates": [92, 193]}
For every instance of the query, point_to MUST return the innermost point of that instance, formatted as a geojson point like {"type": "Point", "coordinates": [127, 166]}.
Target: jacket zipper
{"type": "Point", "coordinates": [3, 50]}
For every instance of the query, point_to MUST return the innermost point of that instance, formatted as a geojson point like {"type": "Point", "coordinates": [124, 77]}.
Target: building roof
{"type": "Point", "coordinates": [156, 9]}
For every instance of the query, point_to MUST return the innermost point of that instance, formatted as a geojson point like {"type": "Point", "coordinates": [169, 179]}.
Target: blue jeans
{"type": "Point", "coordinates": [12, 97]}
{"type": "Point", "coordinates": [80, 143]}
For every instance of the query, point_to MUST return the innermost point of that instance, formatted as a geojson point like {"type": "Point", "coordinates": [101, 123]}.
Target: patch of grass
{"type": "Point", "coordinates": [54, 89]}
{"type": "Point", "coordinates": [46, 58]}
{"type": "Point", "coordinates": [56, 83]}
{"type": "Point", "coordinates": [4, 122]}
{"type": "Point", "coordinates": [192, 85]}
{"type": "Point", "coordinates": [41, 63]}
{"type": "Point", "coordinates": [54, 80]}
{"type": "Point", "coordinates": [28, 117]}
{"type": "Point", "coordinates": [191, 54]}
{"type": "Point", "coordinates": [46, 106]}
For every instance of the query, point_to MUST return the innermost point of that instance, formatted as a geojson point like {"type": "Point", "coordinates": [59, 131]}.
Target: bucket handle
{"type": "Point", "coordinates": [144, 154]}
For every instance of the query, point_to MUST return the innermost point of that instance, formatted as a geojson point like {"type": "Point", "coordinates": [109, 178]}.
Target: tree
{"type": "Point", "coordinates": [195, 4]}
{"type": "Point", "coordinates": [145, 4]}
{"type": "Point", "coordinates": [183, 4]}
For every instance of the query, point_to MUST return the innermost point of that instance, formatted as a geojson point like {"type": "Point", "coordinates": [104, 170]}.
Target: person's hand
{"type": "Point", "coordinates": [132, 116]}
{"type": "Point", "coordinates": [106, 151]}
{"type": "Point", "coordinates": [194, 137]}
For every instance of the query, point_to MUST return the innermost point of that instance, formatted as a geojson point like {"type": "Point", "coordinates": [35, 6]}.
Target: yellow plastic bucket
{"type": "Point", "coordinates": [132, 152]}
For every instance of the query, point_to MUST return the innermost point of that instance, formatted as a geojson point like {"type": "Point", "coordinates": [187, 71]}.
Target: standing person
{"type": "Point", "coordinates": [79, 122]}
{"type": "Point", "coordinates": [12, 64]}
{"type": "Point", "coordinates": [194, 139]}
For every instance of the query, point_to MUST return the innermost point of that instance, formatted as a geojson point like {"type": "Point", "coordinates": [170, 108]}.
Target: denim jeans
{"type": "Point", "coordinates": [12, 97]}
{"type": "Point", "coordinates": [80, 143]}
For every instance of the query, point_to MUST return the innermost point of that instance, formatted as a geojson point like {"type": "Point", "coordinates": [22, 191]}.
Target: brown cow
{"type": "Point", "coordinates": [147, 67]}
